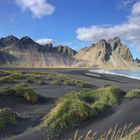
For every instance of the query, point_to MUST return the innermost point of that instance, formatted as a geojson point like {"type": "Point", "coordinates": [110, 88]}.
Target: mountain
{"type": "Point", "coordinates": [26, 52]}
{"type": "Point", "coordinates": [106, 53]}
{"type": "Point", "coordinates": [7, 41]}
{"type": "Point", "coordinates": [29, 53]}
{"type": "Point", "coordinates": [137, 60]}
{"type": "Point", "coordinates": [66, 50]}
{"type": "Point", "coordinates": [6, 58]}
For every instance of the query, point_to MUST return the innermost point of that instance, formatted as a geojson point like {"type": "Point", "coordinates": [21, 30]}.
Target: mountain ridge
{"type": "Point", "coordinates": [107, 53]}
{"type": "Point", "coordinates": [28, 53]}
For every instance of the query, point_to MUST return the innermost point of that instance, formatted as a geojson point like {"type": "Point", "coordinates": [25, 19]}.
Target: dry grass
{"type": "Point", "coordinates": [124, 133]}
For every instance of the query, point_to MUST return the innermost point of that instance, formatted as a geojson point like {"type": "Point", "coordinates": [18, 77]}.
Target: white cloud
{"type": "Point", "coordinates": [128, 31]}
{"type": "Point", "coordinates": [38, 8]}
{"type": "Point", "coordinates": [44, 41]}
{"type": "Point", "coordinates": [127, 3]}
{"type": "Point", "coordinates": [136, 9]}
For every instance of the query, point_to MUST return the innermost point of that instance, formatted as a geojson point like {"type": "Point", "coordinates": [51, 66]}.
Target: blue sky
{"type": "Point", "coordinates": [76, 23]}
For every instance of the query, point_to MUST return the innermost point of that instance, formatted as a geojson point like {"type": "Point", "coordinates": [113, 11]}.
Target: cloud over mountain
{"type": "Point", "coordinates": [128, 31]}
{"type": "Point", "coordinates": [44, 41]}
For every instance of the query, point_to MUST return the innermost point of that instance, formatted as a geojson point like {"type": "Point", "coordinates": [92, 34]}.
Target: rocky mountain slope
{"type": "Point", "coordinates": [137, 60]}
{"type": "Point", "coordinates": [29, 53]}
{"type": "Point", "coordinates": [26, 52]}
{"type": "Point", "coordinates": [107, 53]}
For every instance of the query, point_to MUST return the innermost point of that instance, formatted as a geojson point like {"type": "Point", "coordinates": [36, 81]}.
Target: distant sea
{"type": "Point", "coordinates": [131, 73]}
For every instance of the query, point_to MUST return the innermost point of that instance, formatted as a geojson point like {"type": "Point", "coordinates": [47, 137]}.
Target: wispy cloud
{"type": "Point", "coordinates": [38, 8]}
{"type": "Point", "coordinates": [128, 31]}
{"type": "Point", "coordinates": [44, 41]}
{"type": "Point", "coordinates": [127, 3]}
{"type": "Point", "coordinates": [12, 18]}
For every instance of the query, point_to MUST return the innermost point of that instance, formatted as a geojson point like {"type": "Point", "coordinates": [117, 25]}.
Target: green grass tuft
{"type": "Point", "coordinates": [103, 97]}
{"type": "Point", "coordinates": [133, 93]}
{"type": "Point", "coordinates": [68, 112]}
{"type": "Point", "coordinates": [22, 90]}
{"type": "Point", "coordinates": [8, 91]}
{"type": "Point", "coordinates": [42, 83]}
{"type": "Point", "coordinates": [29, 80]}
{"type": "Point", "coordinates": [82, 84]}
{"type": "Point", "coordinates": [28, 93]}
{"type": "Point", "coordinates": [7, 79]}
{"type": "Point", "coordinates": [7, 117]}
{"type": "Point", "coordinates": [74, 108]}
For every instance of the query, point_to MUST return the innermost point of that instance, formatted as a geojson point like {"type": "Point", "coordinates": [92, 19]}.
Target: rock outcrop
{"type": "Point", "coordinates": [137, 60]}
{"type": "Point", "coordinates": [107, 53]}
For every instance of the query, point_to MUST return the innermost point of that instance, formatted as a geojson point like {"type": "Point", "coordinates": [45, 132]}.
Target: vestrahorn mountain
{"type": "Point", "coordinates": [107, 53]}
{"type": "Point", "coordinates": [25, 52]}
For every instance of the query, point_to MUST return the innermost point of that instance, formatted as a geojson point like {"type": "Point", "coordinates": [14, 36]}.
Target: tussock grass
{"type": "Point", "coordinates": [124, 133]}
{"type": "Point", "coordinates": [7, 117]}
{"type": "Point", "coordinates": [29, 80]}
{"type": "Point", "coordinates": [28, 93]}
{"type": "Point", "coordinates": [103, 97]}
{"type": "Point", "coordinates": [70, 82]}
{"type": "Point", "coordinates": [54, 78]}
{"type": "Point", "coordinates": [73, 108]}
{"type": "Point", "coordinates": [7, 79]}
{"type": "Point", "coordinates": [61, 81]}
{"type": "Point", "coordinates": [4, 73]}
{"type": "Point", "coordinates": [22, 90]}
{"type": "Point", "coordinates": [82, 84]}
{"type": "Point", "coordinates": [42, 83]}
{"type": "Point", "coordinates": [68, 112]}
{"type": "Point", "coordinates": [8, 91]}
{"type": "Point", "coordinates": [133, 93]}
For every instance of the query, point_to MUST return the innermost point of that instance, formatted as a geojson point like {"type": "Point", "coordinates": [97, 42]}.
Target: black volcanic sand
{"type": "Point", "coordinates": [125, 113]}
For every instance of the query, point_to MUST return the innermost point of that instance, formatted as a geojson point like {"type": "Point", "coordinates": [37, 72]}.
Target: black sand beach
{"type": "Point", "coordinates": [125, 113]}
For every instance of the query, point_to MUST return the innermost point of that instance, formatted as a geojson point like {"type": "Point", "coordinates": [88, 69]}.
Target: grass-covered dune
{"type": "Point", "coordinates": [74, 108]}
{"type": "Point", "coordinates": [22, 90]}
{"type": "Point", "coordinates": [10, 77]}
{"type": "Point", "coordinates": [7, 117]}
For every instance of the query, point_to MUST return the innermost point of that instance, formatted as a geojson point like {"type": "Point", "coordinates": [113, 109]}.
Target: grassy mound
{"type": "Point", "coordinates": [7, 117]}
{"type": "Point", "coordinates": [61, 81]}
{"type": "Point", "coordinates": [82, 84]}
{"type": "Point", "coordinates": [7, 79]}
{"type": "Point", "coordinates": [22, 90]}
{"type": "Point", "coordinates": [70, 82]}
{"type": "Point", "coordinates": [74, 108]}
{"type": "Point", "coordinates": [28, 93]}
{"type": "Point", "coordinates": [68, 112]}
{"type": "Point", "coordinates": [103, 97]}
{"type": "Point", "coordinates": [29, 80]}
{"type": "Point", "coordinates": [42, 83]}
{"type": "Point", "coordinates": [133, 93]}
{"type": "Point", "coordinates": [9, 91]}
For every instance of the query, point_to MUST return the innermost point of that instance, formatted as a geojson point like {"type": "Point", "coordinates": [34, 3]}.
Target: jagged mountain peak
{"type": "Point", "coordinates": [10, 37]}
{"type": "Point", "coordinates": [27, 52]}
{"type": "Point", "coordinates": [111, 52]}
{"type": "Point", "coordinates": [26, 42]}
{"type": "Point", "coordinates": [101, 42]}
{"type": "Point", "coordinates": [65, 50]}
{"type": "Point", "coordinates": [9, 40]}
{"type": "Point", "coordinates": [115, 43]}
{"type": "Point", "coordinates": [26, 39]}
